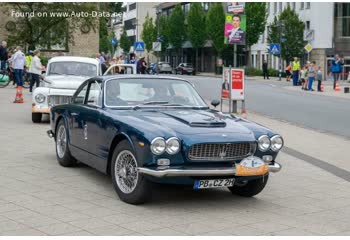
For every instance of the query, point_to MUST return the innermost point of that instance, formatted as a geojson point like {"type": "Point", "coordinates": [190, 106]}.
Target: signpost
{"type": "Point", "coordinates": [308, 48]}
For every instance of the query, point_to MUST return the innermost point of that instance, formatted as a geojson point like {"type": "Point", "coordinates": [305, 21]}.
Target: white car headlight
{"type": "Point", "coordinates": [40, 98]}
{"type": "Point", "coordinates": [158, 146]}
{"type": "Point", "coordinates": [276, 143]}
{"type": "Point", "coordinates": [264, 143]}
{"type": "Point", "coordinates": [172, 145]}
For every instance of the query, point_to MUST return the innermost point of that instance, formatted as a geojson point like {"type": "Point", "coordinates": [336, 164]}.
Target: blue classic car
{"type": "Point", "coordinates": [144, 129]}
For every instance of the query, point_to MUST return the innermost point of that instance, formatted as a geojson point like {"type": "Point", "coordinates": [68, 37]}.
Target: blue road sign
{"type": "Point", "coordinates": [283, 39]}
{"type": "Point", "coordinates": [139, 46]}
{"type": "Point", "coordinates": [114, 41]}
{"type": "Point", "coordinates": [275, 48]}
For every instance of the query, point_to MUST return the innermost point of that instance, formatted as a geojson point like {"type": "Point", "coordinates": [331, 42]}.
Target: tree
{"type": "Point", "coordinates": [111, 48]}
{"type": "Point", "coordinates": [176, 28]}
{"type": "Point", "coordinates": [56, 24]}
{"type": "Point", "coordinates": [148, 34]}
{"type": "Point", "coordinates": [288, 26]}
{"type": "Point", "coordinates": [125, 42]}
{"type": "Point", "coordinates": [196, 30]}
{"type": "Point", "coordinates": [103, 43]}
{"type": "Point", "coordinates": [215, 22]}
{"type": "Point", "coordinates": [256, 21]}
{"type": "Point", "coordinates": [164, 31]}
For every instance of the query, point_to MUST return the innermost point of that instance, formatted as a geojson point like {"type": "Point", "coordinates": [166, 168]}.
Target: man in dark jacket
{"type": "Point", "coordinates": [3, 55]}
{"type": "Point", "coordinates": [265, 70]}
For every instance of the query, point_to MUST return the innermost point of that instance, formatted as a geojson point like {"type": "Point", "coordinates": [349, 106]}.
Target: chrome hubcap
{"type": "Point", "coordinates": [125, 170]}
{"type": "Point", "coordinates": [61, 141]}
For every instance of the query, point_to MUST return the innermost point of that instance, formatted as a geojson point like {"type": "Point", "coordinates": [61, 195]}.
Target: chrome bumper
{"type": "Point", "coordinates": [189, 172]}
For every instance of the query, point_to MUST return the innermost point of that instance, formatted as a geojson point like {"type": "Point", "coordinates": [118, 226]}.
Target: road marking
{"type": "Point", "coordinates": [339, 172]}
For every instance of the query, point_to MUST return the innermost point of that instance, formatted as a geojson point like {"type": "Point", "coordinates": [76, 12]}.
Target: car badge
{"type": "Point", "coordinates": [224, 135]}
{"type": "Point", "coordinates": [85, 132]}
{"type": "Point", "coordinates": [222, 152]}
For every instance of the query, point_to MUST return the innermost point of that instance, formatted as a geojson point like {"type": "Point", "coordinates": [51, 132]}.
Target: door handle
{"type": "Point", "coordinates": [74, 114]}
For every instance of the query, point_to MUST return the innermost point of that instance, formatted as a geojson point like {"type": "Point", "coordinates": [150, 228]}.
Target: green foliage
{"type": "Point", "coordinates": [215, 22]}
{"type": "Point", "coordinates": [176, 28]}
{"type": "Point", "coordinates": [44, 60]}
{"type": "Point", "coordinates": [196, 25]}
{"type": "Point", "coordinates": [292, 28]}
{"type": "Point", "coordinates": [124, 41]}
{"type": "Point", "coordinates": [256, 21]}
{"type": "Point", "coordinates": [103, 43]}
{"type": "Point", "coordinates": [149, 33]}
{"type": "Point", "coordinates": [253, 72]}
{"type": "Point", "coordinates": [164, 31]}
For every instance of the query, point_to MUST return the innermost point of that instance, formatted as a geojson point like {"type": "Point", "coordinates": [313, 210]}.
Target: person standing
{"type": "Point", "coordinates": [296, 69]}
{"type": "Point", "coordinates": [18, 63]}
{"type": "Point", "coordinates": [3, 55]}
{"type": "Point", "coordinates": [35, 70]}
{"type": "Point", "coordinates": [288, 72]}
{"type": "Point", "coordinates": [319, 79]}
{"type": "Point", "coordinates": [121, 61]}
{"type": "Point", "coordinates": [265, 70]}
{"type": "Point", "coordinates": [311, 73]}
{"type": "Point", "coordinates": [336, 68]}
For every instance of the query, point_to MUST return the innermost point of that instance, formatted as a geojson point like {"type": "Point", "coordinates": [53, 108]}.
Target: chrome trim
{"type": "Point", "coordinates": [171, 172]}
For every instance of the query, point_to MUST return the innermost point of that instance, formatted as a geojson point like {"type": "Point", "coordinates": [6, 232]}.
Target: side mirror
{"type": "Point", "coordinates": [215, 103]}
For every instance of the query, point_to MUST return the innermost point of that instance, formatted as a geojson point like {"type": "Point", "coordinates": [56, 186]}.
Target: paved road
{"type": "Point", "coordinates": [323, 113]}
{"type": "Point", "coordinates": [38, 197]}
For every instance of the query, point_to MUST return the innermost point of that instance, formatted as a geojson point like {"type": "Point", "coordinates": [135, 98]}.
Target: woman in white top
{"type": "Point", "coordinates": [35, 70]}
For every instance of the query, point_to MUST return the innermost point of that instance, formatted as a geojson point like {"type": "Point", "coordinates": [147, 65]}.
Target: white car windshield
{"type": "Point", "coordinates": [151, 92]}
{"type": "Point", "coordinates": [73, 68]}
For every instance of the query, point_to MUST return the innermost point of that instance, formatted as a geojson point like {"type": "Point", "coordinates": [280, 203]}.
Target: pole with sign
{"type": "Point", "coordinates": [308, 48]}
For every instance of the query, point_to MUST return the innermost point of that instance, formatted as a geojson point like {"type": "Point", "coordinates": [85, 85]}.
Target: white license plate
{"type": "Point", "coordinates": [214, 183]}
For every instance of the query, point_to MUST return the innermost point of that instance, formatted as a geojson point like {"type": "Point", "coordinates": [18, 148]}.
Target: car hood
{"type": "Point", "coordinates": [64, 81]}
{"type": "Point", "coordinates": [187, 123]}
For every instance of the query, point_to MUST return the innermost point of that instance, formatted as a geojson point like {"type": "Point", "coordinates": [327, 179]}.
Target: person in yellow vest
{"type": "Point", "coordinates": [29, 58]}
{"type": "Point", "coordinates": [295, 69]}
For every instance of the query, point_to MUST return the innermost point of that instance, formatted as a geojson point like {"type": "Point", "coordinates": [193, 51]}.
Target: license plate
{"type": "Point", "coordinates": [251, 166]}
{"type": "Point", "coordinates": [214, 183]}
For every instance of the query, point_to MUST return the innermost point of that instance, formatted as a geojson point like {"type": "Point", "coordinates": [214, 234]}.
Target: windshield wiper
{"type": "Point", "coordinates": [150, 103]}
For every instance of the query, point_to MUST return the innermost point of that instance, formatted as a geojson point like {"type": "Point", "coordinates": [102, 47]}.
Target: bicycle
{"type": "Point", "coordinates": [8, 75]}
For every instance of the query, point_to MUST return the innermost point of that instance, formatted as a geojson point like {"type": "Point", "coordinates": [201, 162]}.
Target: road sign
{"type": "Point", "coordinates": [275, 48]}
{"type": "Point", "coordinates": [114, 41]}
{"type": "Point", "coordinates": [139, 46]}
{"type": "Point", "coordinates": [308, 47]}
{"type": "Point", "coordinates": [157, 46]}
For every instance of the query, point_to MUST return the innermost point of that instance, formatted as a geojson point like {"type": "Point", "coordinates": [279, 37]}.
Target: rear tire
{"type": "Point", "coordinates": [130, 186]}
{"type": "Point", "coordinates": [251, 188]}
{"type": "Point", "coordinates": [63, 154]}
{"type": "Point", "coordinates": [36, 117]}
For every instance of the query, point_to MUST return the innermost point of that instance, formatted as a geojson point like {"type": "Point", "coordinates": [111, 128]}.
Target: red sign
{"type": "Point", "coordinates": [237, 89]}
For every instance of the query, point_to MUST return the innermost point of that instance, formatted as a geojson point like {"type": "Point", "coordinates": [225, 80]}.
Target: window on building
{"type": "Point", "coordinates": [307, 25]}
{"type": "Point", "coordinates": [345, 15]}
{"type": "Point", "coordinates": [205, 6]}
{"type": "Point", "coordinates": [280, 7]}
{"type": "Point", "coordinates": [253, 60]}
{"type": "Point", "coordinates": [301, 6]}
{"type": "Point", "coordinates": [128, 24]}
{"type": "Point", "coordinates": [308, 5]}
{"type": "Point", "coordinates": [186, 8]}
{"type": "Point", "coordinates": [293, 5]}
{"type": "Point", "coordinates": [132, 6]}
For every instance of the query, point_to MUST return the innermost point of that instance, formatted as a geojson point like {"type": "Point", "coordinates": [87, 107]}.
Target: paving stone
{"type": "Point", "coordinates": [58, 229]}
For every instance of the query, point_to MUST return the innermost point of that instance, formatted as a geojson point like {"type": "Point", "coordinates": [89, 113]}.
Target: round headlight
{"type": "Point", "coordinates": [40, 98]}
{"type": "Point", "coordinates": [264, 143]}
{"type": "Point", "coordinates": [276, 143]}
{"type": "Point", "coordinates": [172, 145]}
{"type": "Point", "coordinates": [158, 146]}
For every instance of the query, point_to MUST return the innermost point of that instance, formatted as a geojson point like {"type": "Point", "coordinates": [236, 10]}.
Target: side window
{"type": "Point", "coordinates": [80, 97]}
{"type": "Point", "coordinates": [95, 94]}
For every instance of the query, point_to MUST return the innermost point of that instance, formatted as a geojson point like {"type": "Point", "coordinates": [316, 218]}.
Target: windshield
{"type": "Point", "coordinates": [188, 64]}
{"type": "Point", "coordinates": [146, 92]}
{"type": "Point", "coordinates": [73, 68]}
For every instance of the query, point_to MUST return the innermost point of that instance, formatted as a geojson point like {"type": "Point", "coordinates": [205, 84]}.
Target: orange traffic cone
{"type": "Point", "coordinates": [19, 95]}
{"type": "Point", "coordinates": [337, 88]}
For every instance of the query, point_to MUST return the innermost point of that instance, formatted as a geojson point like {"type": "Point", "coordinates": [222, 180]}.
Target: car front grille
{"type": "Point", "coordinates": [58, 99]}
{"type": "Point", "coordinates": [221, 151]}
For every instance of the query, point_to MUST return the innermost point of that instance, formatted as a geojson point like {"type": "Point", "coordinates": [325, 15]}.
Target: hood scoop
{"type": "Point", "coordinates": [197, 118]}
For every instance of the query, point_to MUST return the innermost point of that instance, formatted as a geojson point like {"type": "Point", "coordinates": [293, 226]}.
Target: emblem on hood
{"type": "Point", "coordinates": [222, 151]}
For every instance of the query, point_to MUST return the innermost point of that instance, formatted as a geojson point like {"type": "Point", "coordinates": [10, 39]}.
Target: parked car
{"type": "Point", "coordinates": [64, 75]}
{"type": "Point", "coordinates": [185, 68]}
{"type": "Point", "coordinates": [164, 67]}
{"type": "Point", "coordinates": [156, 129]}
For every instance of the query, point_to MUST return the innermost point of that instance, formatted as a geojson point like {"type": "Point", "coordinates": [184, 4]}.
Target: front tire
{"type": "Point", "coordinates": [63, 154]}
{"type": "Point", "coordinates": [251, 188]}
{"type": "Point", "coordinates": [130, 186]}
{"type": "Point", "coordinates": [36, 117]}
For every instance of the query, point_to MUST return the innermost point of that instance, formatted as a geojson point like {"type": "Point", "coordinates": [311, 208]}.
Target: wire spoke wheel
{"type": "Point", "coordinates": [125, 169]}
{"type": "Point", "coordinates": [61, 142]}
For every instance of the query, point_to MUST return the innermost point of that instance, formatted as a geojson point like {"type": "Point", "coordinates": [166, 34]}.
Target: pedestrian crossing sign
{"type": "Point", "coordinates": [139, 46]}
{"type": "Point", "coordinates": [275, 48]}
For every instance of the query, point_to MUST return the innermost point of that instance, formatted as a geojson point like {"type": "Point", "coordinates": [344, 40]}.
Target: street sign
{"type": "Point", "coordinates": [139, 46]}
{"type": "Point", "coordinates": [308, 47]}
{"type": "Point", "coordinates": [114, 41]}
{"type": "Point", "coordinates": [275, 48]}
{"type": "Point", "coordinates": [157, 46]}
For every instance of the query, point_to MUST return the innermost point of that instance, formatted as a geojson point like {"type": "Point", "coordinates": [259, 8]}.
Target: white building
{"type": "Point", "coordinates": [327, 29]}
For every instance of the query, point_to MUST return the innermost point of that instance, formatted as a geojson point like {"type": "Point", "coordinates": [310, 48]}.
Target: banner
{"type": "Point", "coordinates": [225, 84]}
{"type": "Point", "coordinates": [237, 80]}
{"type": "Point", "coordinates": [235, 28]}
{"type": "Point", "coordinates": [235, 7]}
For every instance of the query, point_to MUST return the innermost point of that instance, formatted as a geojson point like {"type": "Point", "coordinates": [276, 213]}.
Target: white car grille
{"type": "Point", "coordinates": [58, 99]}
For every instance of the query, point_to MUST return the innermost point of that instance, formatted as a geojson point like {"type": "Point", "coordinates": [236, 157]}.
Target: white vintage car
{"type": "Point", "coordinates": [63, 76]}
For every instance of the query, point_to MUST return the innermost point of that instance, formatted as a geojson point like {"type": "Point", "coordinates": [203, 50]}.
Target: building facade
{"type": "Point", "coordinates": [327, 29]}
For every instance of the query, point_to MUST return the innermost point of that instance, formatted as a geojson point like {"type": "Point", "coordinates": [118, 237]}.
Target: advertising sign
{"type": "Point", "coordinates": [237, 80]}
{"type": "Point", "coordinates": [235, 7]}
{"type": "Point", "coordinates": [235, 28]}
{"type": "Point", "coordinates": [225, 84]}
